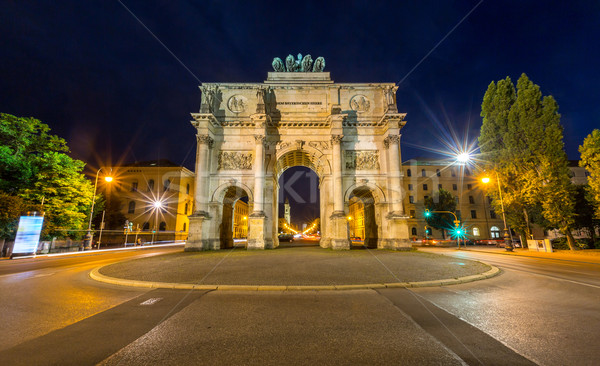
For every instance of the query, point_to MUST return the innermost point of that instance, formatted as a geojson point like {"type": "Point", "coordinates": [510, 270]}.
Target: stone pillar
{"type": "Point", "coordinates": [395, 173]}
{"type": "Point", "coordinates": [257, 220]}
{"type": "Point", "coordinates": [339, 223]}
{"type": "Point", "coordinates": [197, 236]}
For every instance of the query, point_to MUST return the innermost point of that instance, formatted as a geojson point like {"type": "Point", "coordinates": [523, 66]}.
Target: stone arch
{"type": "Point", "coordinates": [219, 193]}
{"type": "Point", "coordinates": [378, 193]}
{"type": "Point", "coordinates": [306, 156]}
{"type": "Point", "coordinates": [367, 217]}
{"type": "Point", "coordinates": [225, 198]}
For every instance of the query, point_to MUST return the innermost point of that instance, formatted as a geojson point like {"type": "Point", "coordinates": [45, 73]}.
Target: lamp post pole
{"type": "Point", "coordinates": [507, 241]}
{"type": "Point", "coordinates": [88, 236]}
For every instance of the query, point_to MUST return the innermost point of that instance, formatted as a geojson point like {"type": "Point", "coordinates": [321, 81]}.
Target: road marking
{"type": "Point", "coordinates": [151, 301]}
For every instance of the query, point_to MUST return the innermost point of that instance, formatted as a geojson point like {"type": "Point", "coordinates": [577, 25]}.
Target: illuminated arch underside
{"type": "Point", "coordinates": [300, 158]}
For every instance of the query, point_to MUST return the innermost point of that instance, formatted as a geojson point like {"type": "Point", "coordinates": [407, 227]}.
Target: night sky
{"type": "Point", "coordinates": [102, 81]}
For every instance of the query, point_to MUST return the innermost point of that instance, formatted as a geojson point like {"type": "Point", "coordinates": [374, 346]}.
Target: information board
{"type": "Point", "coordinates": [28, 234]}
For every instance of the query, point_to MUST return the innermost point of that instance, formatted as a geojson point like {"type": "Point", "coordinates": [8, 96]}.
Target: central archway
{"type": "Point", "coordinates": [317, 162]}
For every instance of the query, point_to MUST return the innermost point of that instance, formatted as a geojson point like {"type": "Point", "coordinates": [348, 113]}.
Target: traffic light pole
{"type": "Point", "coordinates": [456, 222]}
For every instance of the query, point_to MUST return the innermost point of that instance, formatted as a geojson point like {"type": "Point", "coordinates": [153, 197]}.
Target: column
{"type": "Point", "coordinates": [338, 194]}
{"type": "Point", "coordinates": [395, 174]}
{"type": "Point", "coordinates": [201, 183]}
{"type": "Point", "coordinates": [259, 174]}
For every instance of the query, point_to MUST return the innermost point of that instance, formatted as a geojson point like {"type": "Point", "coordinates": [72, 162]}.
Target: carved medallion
{"type": "Point", "coordinates": [362, 160]}
{"type": "Point", "coordinates": [237, 103]}
{"type": "Point", "coordinates": [234, 160]}
{"type": "Point", "coordinates": [360, 103]}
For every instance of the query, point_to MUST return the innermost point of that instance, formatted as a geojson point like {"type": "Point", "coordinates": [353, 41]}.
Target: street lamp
{"type": "Point", "coordinates": [89, 236]}
{"type": "Point", "coordinates": [507, 241]}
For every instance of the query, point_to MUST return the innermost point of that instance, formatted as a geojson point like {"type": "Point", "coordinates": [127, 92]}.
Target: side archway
{"type": "Point", "coordinates": [365, 213]}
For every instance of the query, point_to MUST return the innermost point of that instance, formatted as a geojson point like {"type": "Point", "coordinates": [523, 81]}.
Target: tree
{"type": "Point", "coordinates": [522, 141]}
{"type": "Point", "coordinates": [34, 166]}
{"type": "Point", "coordinates": [442, 200]}
{"type": "Point", "coordinates": [590, 160]}
{"type": "Point", "coordinates": [586, 219]}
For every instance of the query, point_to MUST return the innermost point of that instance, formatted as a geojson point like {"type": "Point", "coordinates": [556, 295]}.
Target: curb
{"type": "Point", "coordinates": [96, 275]}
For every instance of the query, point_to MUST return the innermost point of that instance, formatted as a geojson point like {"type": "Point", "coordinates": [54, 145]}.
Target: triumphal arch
{"type": "Point", "coordinates": [249, 133]}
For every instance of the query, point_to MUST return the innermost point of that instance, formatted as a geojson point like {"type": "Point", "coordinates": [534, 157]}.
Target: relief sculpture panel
{"type": "Point", "coordinates": [362, 160]}
{"type": "Point", "coordinates": [234, 160]}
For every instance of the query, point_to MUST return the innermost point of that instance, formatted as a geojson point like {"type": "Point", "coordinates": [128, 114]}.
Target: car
{"type": "Point", "coordinates": [286, 237]}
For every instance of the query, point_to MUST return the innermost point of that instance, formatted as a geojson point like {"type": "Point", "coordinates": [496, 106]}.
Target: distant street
{"type": "Point", "coordinates": [537, 311]}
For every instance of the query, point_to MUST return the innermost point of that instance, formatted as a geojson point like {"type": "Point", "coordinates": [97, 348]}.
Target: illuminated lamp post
{"type": "Point", "coordinates": [88, 237]}
{"type": "Point", "coordinates": [157, 206]}
{"type": "Point", "coordinates": [507, 241]}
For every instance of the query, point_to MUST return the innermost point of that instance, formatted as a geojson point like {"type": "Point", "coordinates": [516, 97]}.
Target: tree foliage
{"type": "Point", "coordinates": [590, 160]}
{"type": "Point", "coordinates": [34, 166]}
{"type": "Point", "coordinates": [522, 141]}
{"type": "Point", "coordinates": [442, 200]}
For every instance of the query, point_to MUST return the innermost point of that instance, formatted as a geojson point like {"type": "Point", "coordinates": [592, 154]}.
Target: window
{"type": "Point", "coordinates": [414, 231]}
{"type": "Point", "coordinates": [471, 200]}
{"type": "Point", "coordinates": [424, 187]}
{"type": "Point", "coordinates": [412, 214]}
{"type": "Point", "coordinates": [146, 226]}
{"type": "Point", "coordinates": [411, 199]}
{"type": "Point", "coordinates": [437, 172]}
{"type": "Point", "coordinates": [426, 197]}
{"type": "Point", "coordinates": [475, 231]}
{"type": "Point", "coordinates": [186, 210]}
{"type": "Point", "coordinates": [166, 185]}
{"type": "Point", "coordinates": [473, 214]}
{"type": "Point", "coordinates": [467, 172]}
{"type": "Point", "coordinates": [410, 187]}
{"type": "Point", "coordinates": [457, 200]}
{"type": "Point", "coordinates": [423, 173]}
{"type": "Point", "coordinates": [492, 214]}
{"type": "Point", "coordinates": [439, 186]}
{"type": "Point", "coordinates": [150, 185]}
{"type": "Point", "coordinates": [134, 186]}
{"type": "Point", "coordinates": [187, 191]}
{"type": "Point", "coordinates": [131, 207]}
{"type": "Point", "coordinates": [453, 172]}
{"type": "Point", "coordinates": [454, 187]}
{"type": "Point", "coordinates": [469, 186]}
{"type": "Point", "coordinates": [162, 226]}
{"type": "Point", "coordinates": [495, 232]}
{"type": "Point", "coordinates": [184, 226]}
{"type": "Point", "coordinates": [408, 173]}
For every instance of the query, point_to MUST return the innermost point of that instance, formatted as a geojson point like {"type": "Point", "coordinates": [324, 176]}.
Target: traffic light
{"type": "Point", "coordinates": [427, 213]}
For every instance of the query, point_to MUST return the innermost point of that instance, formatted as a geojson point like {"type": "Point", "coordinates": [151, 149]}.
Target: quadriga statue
{"type": "Point", "coordinates": [301, 64]}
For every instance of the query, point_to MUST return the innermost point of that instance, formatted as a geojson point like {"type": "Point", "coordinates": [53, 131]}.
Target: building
{"type": "Point", "coordinates": [156, 195]}
{"type": "Point", "coordinates": [240, 219]}
{"type": "Point", "coordinates": [288, 212]}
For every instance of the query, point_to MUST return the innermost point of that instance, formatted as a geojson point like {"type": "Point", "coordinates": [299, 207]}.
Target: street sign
{"type": "Point", "coordinates": [28, 235]}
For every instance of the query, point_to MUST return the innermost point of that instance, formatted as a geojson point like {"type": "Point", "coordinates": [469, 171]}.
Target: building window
{"type": "Point", "coordinates": [186, 209]}
{"type": "Point", "coordinates": [184, 226]}
{"type": "Point", "coordinates": [167, 185]}
{"type": "Point", "coordinates": [412, 214]}
{"type": "Point", "coordinates": [134, 186]}
{"type": "Point", "coordinates": [150, 185]}
{"type": "Point", "coordinates": [146, 226]}
{"type": "Point", "coordinates": [423, 174]}
{"type": "Point", "coordinates": [495, 232]}
{"type": "Point", "coordinates": [131, 207]}
{"type": "Point", "coordinates": [424, 187]}
{"type": "Point", "coordinates": [414, 231]}
{"type": "Point", "coordinates": [467, 172]}
{"type": "Point", "coordinates": [162, 226]}
{"type": "Point", "coordinates": [475, 231]}
{"type": "Point", "coordinates": [492, 214]}
{"type": "Point", "coordinates": [426, 197]}
{"type": "Point", "coordinates": [457, 200]}
{"type": "Point", "coordinates": [469, 186]}
{"type": "Point", "coordinates": [187, 191]}
{"type": "Point", "coordinates": [471, 200]}
{"type": "Point", "coordinates": [453, 172]}
{"type": "Point", "coordinates": [473, 214]}
{"type": "Point", "coordinates": [410, 188]}
{"type": "Point", "coordinates": [411, 199]}
{"type": "Point", "coordinates": [408, 173]}
{"type": "Point", "coordinates": [437, 172]}
{"type": "Point", "coordinates": [454, 187]}
{"type": "Point", "coordinates": [439, 186]}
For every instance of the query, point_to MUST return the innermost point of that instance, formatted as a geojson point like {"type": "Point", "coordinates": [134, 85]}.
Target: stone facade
{"type": "Point", "coordinates": [249, 133]}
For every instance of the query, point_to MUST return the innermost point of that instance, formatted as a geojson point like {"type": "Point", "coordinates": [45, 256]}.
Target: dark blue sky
{"type": "Point", "coordinates": [92, 72]}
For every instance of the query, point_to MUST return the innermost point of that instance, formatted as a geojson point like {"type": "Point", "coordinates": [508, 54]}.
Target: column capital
{"type": "Point", "coordinates": [205, 139]}
{"type": "Point", "coordinates": [260, 139]}
{"type": "Point", "coordinates": [392, 139]}
{"type": "Point", "coordinates": [336, 139]}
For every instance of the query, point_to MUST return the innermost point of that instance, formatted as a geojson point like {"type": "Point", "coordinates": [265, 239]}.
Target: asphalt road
{"type": "Point", "coordinates": [536, 311]}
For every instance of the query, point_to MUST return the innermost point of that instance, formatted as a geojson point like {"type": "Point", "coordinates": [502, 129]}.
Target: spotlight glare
{"type": "Point", "coordinates": [463, 157]}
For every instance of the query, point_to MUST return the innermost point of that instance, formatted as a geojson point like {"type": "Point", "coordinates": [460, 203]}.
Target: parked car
{"type": "Point", "coordinates": [286, 237]}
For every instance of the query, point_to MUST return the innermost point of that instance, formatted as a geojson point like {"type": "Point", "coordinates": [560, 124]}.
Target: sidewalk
{"type": "Point", "coordinates": [585, 256]}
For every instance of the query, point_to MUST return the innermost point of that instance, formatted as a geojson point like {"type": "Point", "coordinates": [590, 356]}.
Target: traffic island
{"type": "Point", "coordinates": [293, 269]}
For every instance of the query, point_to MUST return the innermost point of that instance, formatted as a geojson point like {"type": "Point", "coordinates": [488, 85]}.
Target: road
{"type": "Point", "coordinates": [536, 311]}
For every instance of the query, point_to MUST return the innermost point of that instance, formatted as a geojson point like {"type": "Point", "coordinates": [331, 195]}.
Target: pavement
{"type": "Point", "coordinates": [293, 267]}
{"type": "Point", "coordinates": [584, 256]}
